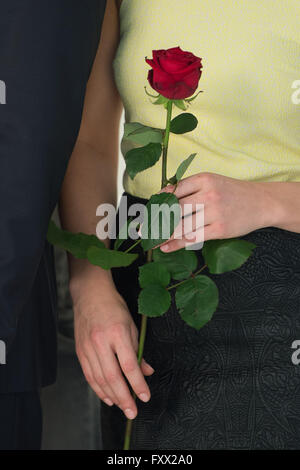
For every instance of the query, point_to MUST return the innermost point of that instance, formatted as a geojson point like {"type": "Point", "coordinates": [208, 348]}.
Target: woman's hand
{"type": "Point", "coordinates": [106, 345]}
{"type": "Point", "coordinates": [232, 208]}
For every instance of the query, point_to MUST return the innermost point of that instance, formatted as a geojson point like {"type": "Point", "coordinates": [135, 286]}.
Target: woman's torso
{"type": "Point", "coordinates": [249, 126]}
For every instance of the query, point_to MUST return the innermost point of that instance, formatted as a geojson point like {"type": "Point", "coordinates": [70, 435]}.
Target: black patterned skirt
{"type": "Point", "coordinates": [235, 384]}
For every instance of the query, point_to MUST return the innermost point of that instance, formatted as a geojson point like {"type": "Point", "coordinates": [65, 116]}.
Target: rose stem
{"type": "Point", "coordinates": [164, 182]}
{"type": "Point", "coordinates": [139, 357]}
{"type": "Point", "coordinates": [164, 179]}
{"type": "Point", "coordinates": [185, 280]}
{"type": "Point", "coordinates": [133, 246]}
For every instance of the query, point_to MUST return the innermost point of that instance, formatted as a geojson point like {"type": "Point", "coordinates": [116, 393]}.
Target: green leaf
{"type": "Point", "coordinates": [108, 259]}
{"type": "Point", "coordinates": [184, 166]}
{"type": "Point", "coordinates": [182, 169]}
{"type": "Point", "coordinates": [154, 300]}
{"type": "Point", "coordinates": [150, 94]}
{"type": "Point", "coordinates": [161, 221]}
{"type": "Point", "coordinates": [142, 135]}
{"type": "Point", "coordinates": [189, 100]}
{"type": "Point", "coordinates": [162, 100]}
{"type": "Point", "coordinates": [180, 104]}
{"type": "Point", "coordinates": [123, 233]}
{"type": "Point", "coordinates": [154, 273]}
{"type": "Point", "coordinates": [130, 127]}
{"type": "Point", "coordinates": [181, 264]}
{"type": "Point", "coordinates": [183, 123]}
{"type": "Point", "coordinates": [222, 256]}
{"type": "Point", "coordinates": [140, 159]}
{"type": "Point", "coordinates": [89, 247]}
{"type": "Point", "coordinates": [197, 300]}
{"type": "Point", "coordinates": [75, 243]}
{"type": "Point", "coordinates": [172, 180]}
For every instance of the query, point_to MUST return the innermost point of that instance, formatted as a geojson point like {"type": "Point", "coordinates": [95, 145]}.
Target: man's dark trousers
{"type": "Point", "coordinates": [47, 48]}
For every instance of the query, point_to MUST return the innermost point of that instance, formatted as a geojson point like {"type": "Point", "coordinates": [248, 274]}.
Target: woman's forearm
{"type": "Point", "coordinates": [91, 177]}
{"type": "Point", "coordinates": [233, 207]}
{"type": "Point", "coordinates": [282, 204]}
{"type": "Point", "coordinates": [91, 180]}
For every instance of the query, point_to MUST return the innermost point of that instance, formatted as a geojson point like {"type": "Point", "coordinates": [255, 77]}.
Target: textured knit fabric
{"type": "Point", "coordinates": [249, 123]}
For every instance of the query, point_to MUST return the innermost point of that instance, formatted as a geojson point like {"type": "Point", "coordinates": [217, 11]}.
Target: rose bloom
{"type": "Point", "coordinates": [175, 73]}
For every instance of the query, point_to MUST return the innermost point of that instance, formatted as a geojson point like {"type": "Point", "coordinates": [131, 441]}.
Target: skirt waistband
{"type": "Point", "coordinates": [134, 199]}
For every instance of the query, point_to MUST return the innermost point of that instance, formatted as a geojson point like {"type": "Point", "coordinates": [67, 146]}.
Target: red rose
{"type": "Point", "coordinates": [175, 73]}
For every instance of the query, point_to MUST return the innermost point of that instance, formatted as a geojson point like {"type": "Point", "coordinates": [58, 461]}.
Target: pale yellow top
{"type": "Point", "coordinates": [249, 123]}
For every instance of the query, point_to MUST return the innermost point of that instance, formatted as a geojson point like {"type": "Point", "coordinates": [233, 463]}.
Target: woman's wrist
{"type": "Point", "coordinates": [271, 204]}
{"type": "Point", "coordinates": [281, 206]}
{"type": "Point", "coordinates": [87, 278]}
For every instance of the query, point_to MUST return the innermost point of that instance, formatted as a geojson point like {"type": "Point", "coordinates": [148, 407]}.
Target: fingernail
{"type": "Point", "coordinates": [144, 396]}
{"type": "Point", "coordinates": [150, 367]}
{"type": "Point", "coordinates": [147, 364]}
{"type": "Point", "coordinates": [129, 413]}
{"type": "Point", "coordinates": [165, 248]}
{"type": "Point", "coordinates": [108, 401]}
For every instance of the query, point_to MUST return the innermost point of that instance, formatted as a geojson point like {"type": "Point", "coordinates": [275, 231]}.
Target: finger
{"type": "Point", "coordinates": [185, 187]}
{"type": "Point", "coordinates": [194, 240]}
{"type": "Point", "coordinates": [194, 203]}
{"type": "Point", "coordinates": [189, 224]}
{"type": "Point", "coordinates": [184, 230]}
{"type": "Point", "coordinates": [146, 368]}
{"type": "Point", "coordinates": [113, 375]}
{"type": "Point", "coordinates": [190, 230]}
{"type": "Point", "coordinates": [190, 203]}
{"type": "Point", "coordinates": [99, 377]}
{"type": "Point", "coordinates": [131, 368]}
{"type": "Point", "coordinates": [175, 245]}
{"type": "Point", "coordinates": [134, 337]}
{"type": "Point", "coordinates": [87, 371]}
{"type": "Point", "coordinates": [214, 231]}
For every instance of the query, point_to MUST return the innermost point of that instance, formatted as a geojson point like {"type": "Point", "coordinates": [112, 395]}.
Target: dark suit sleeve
{"type": "Point", "coordinates": [47, 48]}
